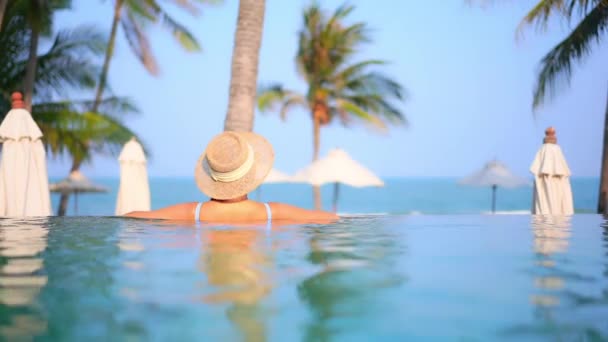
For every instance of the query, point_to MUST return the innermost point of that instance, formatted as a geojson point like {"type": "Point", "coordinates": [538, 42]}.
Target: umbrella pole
{"type": "Point", "coordinates": [494, 199]}
{"type": "Point", "coordinates": [76, 203]}
{"type": "Point", "coordinates": [336, 194]}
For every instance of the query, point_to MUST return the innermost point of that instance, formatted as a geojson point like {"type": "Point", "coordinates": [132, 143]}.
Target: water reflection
{"type": "Point", "coordinates": [356, 261]}
{"type": "Point", "coordinates": [236, 263]}
{"type": "Point", "coordinates": [21, 277]}
{"type": "Point", "coordinates": [80, 298]}
{"type": "Point", "coordinates": [551, 236]}
{"type": "Point", "coordinates": [562, 305]}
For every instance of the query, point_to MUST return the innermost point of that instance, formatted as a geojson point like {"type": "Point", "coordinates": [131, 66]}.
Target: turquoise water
{"type": "Point", "coordinates": [399, 196]}
{"type": "Point", "coordinates": [366, 278]}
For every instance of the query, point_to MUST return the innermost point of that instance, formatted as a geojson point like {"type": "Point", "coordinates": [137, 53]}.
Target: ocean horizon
{"type": "Point", "coordinates": [399, 196]}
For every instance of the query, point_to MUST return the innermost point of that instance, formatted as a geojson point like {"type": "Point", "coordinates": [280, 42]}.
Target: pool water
{"type": "Point", "coordinates": [469, 278]}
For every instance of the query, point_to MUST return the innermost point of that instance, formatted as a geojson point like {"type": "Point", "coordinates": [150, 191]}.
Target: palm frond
{"type": "Point", "coordinates": [189, 6]}
{"type": "Point", "coordinates": [375, 83]}
{"type": "Point", "coordinates": [39, 13]}
{"type": "Point", "coordinates": [139, 9]}
{"type": "Point", "coordinates": [14, 44]}
{"type": "Point", "coordinates": [354, 70]}
{"type": "Point", "coordinates": [326, 43]}
{"type": "Point", "coordinates": [344, 88]}
{"type": "Point", "coordinates": [334, 22]}
{"type": "Point", "coordinates": [361, 113]}
{"type": "Point", "coordinates": [193, 7]}
{"type": "Point", "coordinates": [80, 134]}
{"type": "Point", "coordinates": [185, 39]}
{"type": "Point", "coordinates": [556, 66]}
{"type": "Point", "coordinates": [139, 43]}
{"type": "Point", "coordinates": [116, 107]}
{"type": "Point", "coordinates": [275, 95]}
{"type": "Point", "coordinates": [70, 63]}
{"type": "Point", "coordinates": [544, 10]}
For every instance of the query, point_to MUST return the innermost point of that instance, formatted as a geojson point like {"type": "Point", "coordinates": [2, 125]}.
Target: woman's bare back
{"type": "Point", "coordinates": [245, 211]}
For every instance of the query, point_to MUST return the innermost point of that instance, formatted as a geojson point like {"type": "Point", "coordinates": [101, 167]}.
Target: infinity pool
{"type": "Point", "coordinates": [470, 278]}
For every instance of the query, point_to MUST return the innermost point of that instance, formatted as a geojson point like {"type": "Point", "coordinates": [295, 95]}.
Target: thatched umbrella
{"type": "Point", "coordinates": [494, 174]}
{"type": "Point", "coordinates": [76, 183]}
{"type": "Point", "coordinates": [337, 167]}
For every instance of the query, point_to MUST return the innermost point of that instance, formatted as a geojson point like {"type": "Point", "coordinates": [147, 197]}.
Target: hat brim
{"type": "Point", "coordinates": [263, 160]}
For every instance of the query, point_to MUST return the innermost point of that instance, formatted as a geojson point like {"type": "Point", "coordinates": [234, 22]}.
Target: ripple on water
{"type": "Point", "coordinates": [367, 277]}
{"type": "Point", "coordinates": [21, 275]}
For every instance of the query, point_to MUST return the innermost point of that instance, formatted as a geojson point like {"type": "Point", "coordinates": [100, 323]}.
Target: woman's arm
{"type": "Point", "coordinates": [286, 212]}
{"type": "Point", "coordinates": [182, 211]}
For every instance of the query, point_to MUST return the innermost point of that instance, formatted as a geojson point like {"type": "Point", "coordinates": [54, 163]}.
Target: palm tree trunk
{"type": "Point", "coordinates": [64, 199]}
{"type": "Point", "coordinates": [316, 135]}
{"type": "Point", "coordinates": [601, 207]}
{"type": "Point", "coordinates": [2, 9]}
{"type": "Point", "coordinates": [109, 53]}
{"type": "Point", "coordinates": [244, 71]}
{"type": "Point", "coordinates": [63, 204]}
{"type": "Point", "coordinates": [316, 145]}
{"type": "Point", "coordinates": [30, 70]}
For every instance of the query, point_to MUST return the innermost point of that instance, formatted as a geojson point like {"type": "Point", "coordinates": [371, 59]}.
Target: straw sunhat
{"type": "Point", "coordinates": [233, 165]}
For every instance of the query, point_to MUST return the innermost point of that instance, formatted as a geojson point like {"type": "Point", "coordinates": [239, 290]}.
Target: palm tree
{"type": "Point", "coordinates": [3, 4]}
{"type": "Point", "coordinates": [591, 18]}
{"type": "Point", "coordinates": [133, 16]}
{"type": "Point", "coordinates": [69, 127]}
{"type": "Point", "coordinates": [338, 87]}
{"type": "Point", "coordinates": [39, 15]}
{"type": "Point", "coordinates": [66, 66]}
{"type": "Point", "coordinates": [244, 70]}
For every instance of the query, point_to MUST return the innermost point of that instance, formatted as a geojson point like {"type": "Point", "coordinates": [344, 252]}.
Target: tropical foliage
{"type": "Point", "coordinates": [67, 66]}
{"type": "Point", "coordinates": [556, 67]}
{"type": "Point", "coordinates": [39, 16]}
{"type": "Point", "coordinates": [134, 16]}
{"type": "Point", "coordinates": [340, 87]}
{"type": "Point", "coordinates": [589, 22]}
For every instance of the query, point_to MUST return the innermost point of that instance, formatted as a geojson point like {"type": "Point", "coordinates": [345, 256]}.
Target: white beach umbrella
{"type": "Point", "coordinates": [494, 174]}
{"type": "Point", "coordinates": [338, 168]}
{"type": "Point", "coordinates": [24, 184]}
{"type": "Point", "coordinates": [76, 183]}
{"type": "Point", "coordinates": [552, 191]}
{"type": "Point", "coordinates": [134, 189]}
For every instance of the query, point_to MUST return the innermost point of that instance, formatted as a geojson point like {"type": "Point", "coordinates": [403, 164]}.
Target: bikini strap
{"type": "Point", "coordinates": [197, 213]}
{"type": "Point", "coordinates": [268, 213]}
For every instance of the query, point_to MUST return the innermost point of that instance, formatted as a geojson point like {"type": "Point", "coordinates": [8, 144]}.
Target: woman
{"type": "Point", "coordinates": [233, 165]}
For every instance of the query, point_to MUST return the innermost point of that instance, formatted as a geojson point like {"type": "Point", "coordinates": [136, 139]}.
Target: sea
{"type": "Point", "coordinates": [413, 196]}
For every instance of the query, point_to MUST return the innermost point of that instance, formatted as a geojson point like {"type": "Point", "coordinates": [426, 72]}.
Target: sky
{"type": "Point", "coordinates": [469, 82]}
